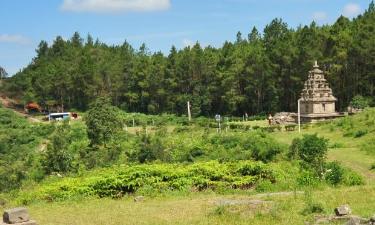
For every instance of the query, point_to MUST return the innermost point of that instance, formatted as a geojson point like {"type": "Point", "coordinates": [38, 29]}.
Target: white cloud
{"type": "Point", "coordinates": [320, 16]}
{"type": "Point", "coordinates": [351, 10]}
{"type": "Point", "coordinates": [14, 38]}
{"type": "Point", "coordinates": [108, 6]}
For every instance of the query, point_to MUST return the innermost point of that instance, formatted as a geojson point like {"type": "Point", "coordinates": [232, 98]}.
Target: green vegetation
{"type": "Point", "coordinates": [185, 169]}
{"type": "Point", "coordinates": [19, 141]}
{"type": "Point", "coordinates": [258, 74]}
{"type": "Point", "coordinates": [173, 164]}
{"type": "Point", "coordinates": [102, 121]}
{"type": "Point", "coordinates": [161, 178]}
{"type": "Point", "coordinates": [360, 102]}
{"type": "Point", "coordinates": [312, 150]}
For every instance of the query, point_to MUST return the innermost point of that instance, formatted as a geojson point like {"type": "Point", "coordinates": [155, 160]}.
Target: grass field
{"type": "Point", "coordinates": [205, 208]}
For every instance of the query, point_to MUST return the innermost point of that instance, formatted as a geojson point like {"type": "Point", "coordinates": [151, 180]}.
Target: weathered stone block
{"type": "Point", "coordinates": [343, 210]}
{"type": "Point", "coordinates": [30, 222]}
{"type": "Point", "coordinates": [354, 221]}
{"type": "Point", "coordinates": [16, 215]}
{"type": "Point", "coordinates": [139, 199]}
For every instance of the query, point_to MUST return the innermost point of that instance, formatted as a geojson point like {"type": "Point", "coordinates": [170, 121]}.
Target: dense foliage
{"type": "Point", "coordinates": [312, 150]}
{"type": "Point", "coordinates": [3, 73]}
{"type": "Point", "coordinates": [155, 178]}
{"type": "Point", "coordinates": [18, 141]}
{"type": "Point", "coordinates": [360, 102]}
{"type": "Point", "coordinates": [153, 159]}
{"type": "Point", "coordinates": [102, 121]}
{"type": "Point", "coordinates": [263, 72]}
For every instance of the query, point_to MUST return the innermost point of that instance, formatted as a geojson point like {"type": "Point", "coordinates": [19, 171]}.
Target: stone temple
{"type": "Point", "coordinates": [317, 102]}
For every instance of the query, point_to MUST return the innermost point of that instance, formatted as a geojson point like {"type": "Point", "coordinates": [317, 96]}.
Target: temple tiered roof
{"type": "Point", "coordinates": [316, 87]}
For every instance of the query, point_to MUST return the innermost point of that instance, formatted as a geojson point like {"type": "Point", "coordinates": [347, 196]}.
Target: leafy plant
{"type": "Point", "coordinates": [312, 150]}
{"type": "Point", "coordinates": [360, 102]}
{"type": "Point", "coordinates": [102, 121]}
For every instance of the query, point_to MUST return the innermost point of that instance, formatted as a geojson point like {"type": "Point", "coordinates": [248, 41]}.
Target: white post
{"type": "Point", "coordinates": [133, 123]}
{"type": "Point", "coordinates": [299, 116]}
{"type": "Point", "coordinates": [189, 113]}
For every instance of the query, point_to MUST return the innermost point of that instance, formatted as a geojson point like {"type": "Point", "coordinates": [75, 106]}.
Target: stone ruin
{"type": "Point", "coordinates": [317, 102]}
{"type": "Point", "coordinates": [17, 216]}
{"type": "Point", "coordinates": [284, 118]}
{"type": "Point", "coordinates": [343, 216]}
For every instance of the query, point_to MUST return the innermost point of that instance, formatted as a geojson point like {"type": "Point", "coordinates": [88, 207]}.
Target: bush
{"type": "Point", "coordinates": [334, 173]}
{"type": "Point", "coordinates": [312, 150]}
{"type": "Point", "coordinates": [360, 102]}
{"type": "Point", "coordinates": [308, 178]}
{"type": "Point", "coordinates": [57, 158]}
{"type": "Point", "coordinates": [118, 181]}
{"type": "Point", "coordinates": [102, 121]}
{"type": "Point", "coordinates": [360, 133]}
{"type": "Point", "coordinates": [352, 179]}
{"type": "Point", "coordinates": [311, 205]}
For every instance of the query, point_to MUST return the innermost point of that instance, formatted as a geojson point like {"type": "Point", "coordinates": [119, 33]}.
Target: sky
{"type": "Point", "coordinates": [157, 23]}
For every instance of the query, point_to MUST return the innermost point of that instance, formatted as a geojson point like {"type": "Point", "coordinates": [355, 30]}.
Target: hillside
{"type": "Point", "coordinates": [257, 73]}
{"type": "Point", "coordinates": [189, 175]}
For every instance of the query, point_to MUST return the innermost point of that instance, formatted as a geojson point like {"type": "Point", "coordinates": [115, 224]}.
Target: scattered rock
{"type": "Point", "coordinates": [372, 220]}
{"type": "Point", "coordinates": [354, 220]}
{"type": "Point", "coordinates": [283, 118]}
{"type": "Point", "coordinates": [139, 199]}
{"type": "Point", "coordinates": [17, 216]}
{"type": "Point", "coordinates": [30, 222]}
{"type": "Point", "coordinates": [343, 210]}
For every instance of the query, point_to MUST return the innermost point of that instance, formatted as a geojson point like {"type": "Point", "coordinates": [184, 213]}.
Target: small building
{"type": "Point", "coordinates": [317, 102]}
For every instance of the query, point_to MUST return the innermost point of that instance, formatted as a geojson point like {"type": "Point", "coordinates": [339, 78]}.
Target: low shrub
{"type": "Point", "coordinates": [336, 175]}
{"type": "Point", "coordinates": [360, 133]}
{"type": "Point", "coordinates": [122, 180]}
{"type": "Point", "coordinates": [312, 206]}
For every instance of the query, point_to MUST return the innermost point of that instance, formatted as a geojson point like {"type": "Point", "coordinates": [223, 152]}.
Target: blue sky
{"type": "Point", "coordinates": [158, 23]}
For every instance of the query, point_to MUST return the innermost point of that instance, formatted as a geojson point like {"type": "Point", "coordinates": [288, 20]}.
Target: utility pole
{"type": "Point", "coordinates": [189, 112]}
{"type": "Point", "coordinates": [299, 116]}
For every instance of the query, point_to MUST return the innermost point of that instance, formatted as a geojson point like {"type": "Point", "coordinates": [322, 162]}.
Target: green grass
{"type": "Point", "coordinates": [345, 148]}
{"type": "Point", "coordinates": [349, 140]}
{"type": "Point", "coordinates": [203, 208]}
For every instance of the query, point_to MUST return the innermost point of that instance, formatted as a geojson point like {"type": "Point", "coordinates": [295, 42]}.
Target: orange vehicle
{"type": "Point", "coordinates": [32, 107]}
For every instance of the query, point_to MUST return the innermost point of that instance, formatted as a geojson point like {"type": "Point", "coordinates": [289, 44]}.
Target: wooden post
{"type": "Point", "coordinates": [299, 116]}
{"type": "Point", "coordinates": [189, 112]}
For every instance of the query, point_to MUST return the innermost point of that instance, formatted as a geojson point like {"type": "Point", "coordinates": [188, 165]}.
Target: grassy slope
{"type": "Point", "coordinates": [201, 208]}
{"type": "Point", "coordinates": [348, 148]}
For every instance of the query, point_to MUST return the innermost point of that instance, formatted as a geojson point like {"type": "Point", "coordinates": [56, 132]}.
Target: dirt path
{"type": "Point", "coordinates": [12, 105]}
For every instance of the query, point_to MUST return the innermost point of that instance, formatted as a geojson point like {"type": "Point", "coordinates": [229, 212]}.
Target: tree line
{"type": "Point", "coordinates": [260, 73]}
